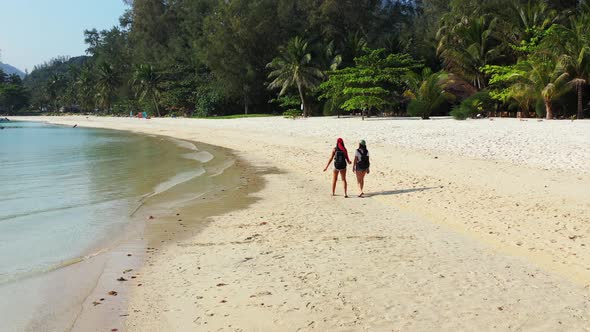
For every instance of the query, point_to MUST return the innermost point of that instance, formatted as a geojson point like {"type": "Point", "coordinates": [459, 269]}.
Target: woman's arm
{"type": "Point", "coordinates": [354, 163]}
{"type": "Point", "coordinates": [329, 161]}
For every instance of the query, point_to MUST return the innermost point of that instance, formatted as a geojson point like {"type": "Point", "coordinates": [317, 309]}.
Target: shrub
{"type": "Point", "coordinates": [292, 113]}
{"type": "Point", "coordinates": [419, 108]}
{"type": "Point", "coordinates": [461, 112]}
{"type": "Point", "coordinates": [472, 106]}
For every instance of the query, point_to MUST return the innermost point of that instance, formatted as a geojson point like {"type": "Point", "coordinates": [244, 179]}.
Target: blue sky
{"type": "Point", "coordinates": [34, 31]}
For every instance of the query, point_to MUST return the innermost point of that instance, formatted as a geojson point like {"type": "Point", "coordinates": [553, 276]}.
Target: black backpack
{"type": "Point", "coordinates": [339, 159]}
{"type": "Point", "coordinates": [363, 162]}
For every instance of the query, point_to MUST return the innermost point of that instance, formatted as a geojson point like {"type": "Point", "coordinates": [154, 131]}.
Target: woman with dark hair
{"type": "Point", "coordinates": [340, 157]}
{"type": "Point", "coordinates": [361, 165]}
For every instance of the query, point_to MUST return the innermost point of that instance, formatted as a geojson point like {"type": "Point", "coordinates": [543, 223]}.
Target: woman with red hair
{"type": "Point", "coordinates": [340, 157]}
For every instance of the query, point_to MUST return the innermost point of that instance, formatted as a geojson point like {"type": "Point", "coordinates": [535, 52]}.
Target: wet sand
{"type": "Point", "coordinates": [164, 226]}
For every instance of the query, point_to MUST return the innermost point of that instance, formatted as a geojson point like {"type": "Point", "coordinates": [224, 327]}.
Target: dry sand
{"type": "Point", "coordinates": [468, 225]}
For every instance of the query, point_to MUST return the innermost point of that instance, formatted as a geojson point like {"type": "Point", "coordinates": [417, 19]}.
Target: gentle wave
{"type": "Point", "coordinates": [223, 168]}
{"type": "Point", "coordinates": [43, 211]}
{"type": "Point", "coordinates": [176, 180]}
{"type": "Point", "coordinates": [167, 185]}
{"type": "Point", "coordinates": [18, 276]}
{"type": "Point", "coordinates": [185, 144]}
{"type": "Point", "coordinates": [202, 156]}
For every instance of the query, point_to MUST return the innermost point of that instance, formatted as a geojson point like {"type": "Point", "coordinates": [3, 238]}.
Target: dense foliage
{"type": "Point", "coordinates": [219, 57]}
{"type": "Point", "coordinates": [13, 95]}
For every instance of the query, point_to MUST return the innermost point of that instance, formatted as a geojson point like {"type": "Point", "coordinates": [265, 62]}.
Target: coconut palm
{"type": "Point", "coordinates": [85, 88]}
{"type": "Point", "coordinates": [107, 82]}
{"type": "Point", "coordinates": [414, 80]}
{"type": "Point", "coordinates": [55, 85]}
{"type": "Point", "coordinates": [575, 55]}
{"type": "Point", "coordinates": [327, 56]}
{"type": "Point", "coordinates": [294, 68]}
{"type": "Point", "coordinates": [468, 45]}
{"type": "Point", "coordinates": [429, 95]}
{"type": "Point", "coordinates": [530, 18]}
{"type": "Point", "coordinates": [353, 46]}
{"type": "Point", "coordinates": [541, 78]}
{"type": "Point", "coordinates": [146, 83]}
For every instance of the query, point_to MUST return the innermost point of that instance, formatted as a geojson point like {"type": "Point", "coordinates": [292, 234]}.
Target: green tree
{"type": "Point", "coordinates": [468, 46]}
{"type": "Point", "coordinates": [294, 68]}
{"type": "Point", "coordinates": [152, 27]}
{"type": "Point", "coordinates": [574, 51]}
{"type": "Point", "coordinates": [529, 23]}
{"type": "Point", "coordinates": [537, 78]}
{"type": "Point", "coordinates": [376, 81]}
{"type": "Point", "coordinates": [430, 95]}
{"type": "Point", "coordinates": [107, 83]}
{"type": "Point", "coordinates": [146, 83]}
{"type": "Point", "coordinates": [85, 89]}
{"type": "Point", "coordinates": [240, 41]}
{"type": "Point", "coordinates": [54, 89]}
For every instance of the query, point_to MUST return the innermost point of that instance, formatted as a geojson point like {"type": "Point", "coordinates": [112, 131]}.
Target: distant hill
{"type": "Point", "coordinates": [8, 69]}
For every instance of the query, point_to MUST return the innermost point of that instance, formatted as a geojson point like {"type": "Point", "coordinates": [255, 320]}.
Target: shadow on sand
{"type": "Point", "coordinates": [399, 192]}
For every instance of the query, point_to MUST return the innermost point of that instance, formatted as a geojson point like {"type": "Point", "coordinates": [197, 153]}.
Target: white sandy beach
{"type": "Point", "coordinates": [473, 225]}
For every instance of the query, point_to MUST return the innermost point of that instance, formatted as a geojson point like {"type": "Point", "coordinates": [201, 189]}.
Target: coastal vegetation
{"type": "Point", "coordinates": [325, 57]}
{"type": "Point", "coordinates": [13, 95]}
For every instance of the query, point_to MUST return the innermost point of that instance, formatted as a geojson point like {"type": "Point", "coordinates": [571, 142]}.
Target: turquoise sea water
{"type": "Point", "coordinates": [63, 190]}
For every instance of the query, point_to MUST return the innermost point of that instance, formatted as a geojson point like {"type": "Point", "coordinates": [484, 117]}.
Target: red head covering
{"type": "Point", "coordinates": [340, 145]}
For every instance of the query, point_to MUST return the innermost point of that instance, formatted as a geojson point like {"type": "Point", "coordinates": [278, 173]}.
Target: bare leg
{"type": "Point", "coordinates": [334, 179]}
{"type": "Point", "coordinates": [358, 181]}
{"type": "Point", "coordinates": [361, 180]}
{"type": "Point", "coordinates": [343, 177]}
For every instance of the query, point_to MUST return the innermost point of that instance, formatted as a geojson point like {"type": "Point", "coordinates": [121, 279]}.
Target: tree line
{"type": "Point", "coordinates": [13, 94]}
{"type": "Point", "coordinates": [420, 57]}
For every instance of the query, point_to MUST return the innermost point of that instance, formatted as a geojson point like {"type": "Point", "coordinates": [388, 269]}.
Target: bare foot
{"type": "Point", "coordinates": [362, 195]}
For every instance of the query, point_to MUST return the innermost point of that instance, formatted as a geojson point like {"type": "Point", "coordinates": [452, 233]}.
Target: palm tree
{"type": "Point", "coordinates": [353, 45]}
{"type": "Point", "coordinates": [575, 55]}
{"type": "Point", "coordinates": [107, 82]}
{"type": "Point", "coordinates": [327, 57]}
{"type": "Point", "coordinates": [531, 18]}
{"type": "Point", "coordinates": [85, 88]}
{"type": "Point", "coordinates": [146, 83]}
{"type": "Point", "coordinates": [541, 77]}
{"type": "Point", "coordinates": [54, 89]}
{"type": "Point", "coordinates": [428, 94]}
{"type": "Point", "coordinates": [294, 67]}
{"type": "Point", "coordinates": [467, 46]}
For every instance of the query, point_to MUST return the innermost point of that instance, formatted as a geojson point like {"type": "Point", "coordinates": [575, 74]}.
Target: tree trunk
{"type": "Point", "coordinates": [156, 104]}
{"type": "Point", "coordinates": [245, 104]}
{"type": "Point", "coordinates": [548, 109]}
{"type": "Point", "coordinates": [580, 102]}
{"type": "Point", "coordinates": [302, 99]}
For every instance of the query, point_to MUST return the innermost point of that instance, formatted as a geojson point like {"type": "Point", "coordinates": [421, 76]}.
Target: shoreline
{"type": "Point", "coordinates": [125, 256]}
{"type": "Point", "coordinates": [488, 211]}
